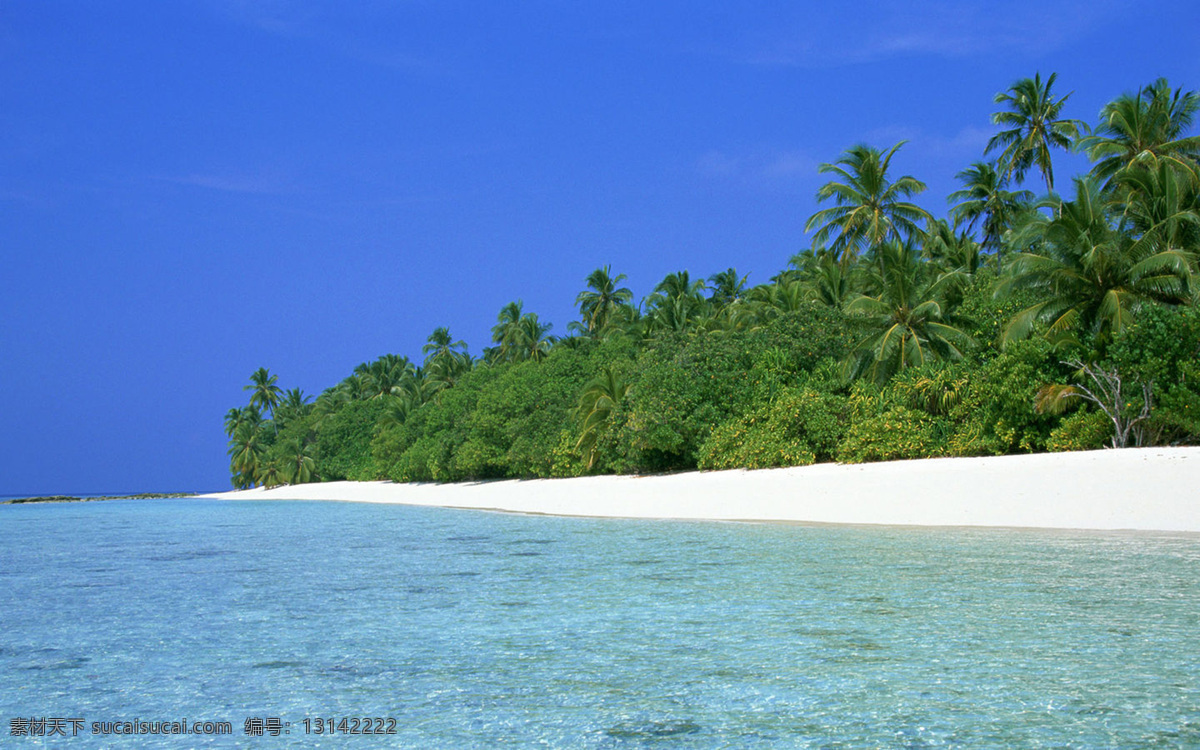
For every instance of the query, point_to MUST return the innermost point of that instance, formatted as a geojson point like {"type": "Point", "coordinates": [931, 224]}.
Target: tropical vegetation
{"type": "Point", "coordinates": [1016, 323]}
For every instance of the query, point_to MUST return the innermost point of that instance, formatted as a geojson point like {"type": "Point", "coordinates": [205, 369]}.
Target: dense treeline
{"type": "Point", "coordinates": [1017, 324]}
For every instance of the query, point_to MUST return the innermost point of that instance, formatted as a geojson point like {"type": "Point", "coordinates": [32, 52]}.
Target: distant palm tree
{"type": "Point", "coordinates": [377, 379]}
{"type": "Point", "coordinates": [441, 344]}
{"type": "Point", "coordinates": [269, 474]}
{"type": "Point", "coordinates": [676, 303]}
{"type": "Point", "coordinates": [293, 404]}
{"type": "Point", "coordinates": [265, 393]}
{"type": "Point", "coordinates": [984, 201]}
{"type": "Point", "coordinates": [830, 284]}
{"type": "Point", "coordinates": [1143, 128]}
{"type": "Point", "coordinates": [520, 335]}
{"type": "Point", "coordinates": [1161, 203]}
{"type": "Point", "coordinates": [1034, 126]}
{"type": "Point", "coordinates": [727, 287]}
{"type": "Point", "coordinates": [870, 208]}
{"type": "Point", "coordinates": [598, 303]}
{"type": "Point", "coordinates": [235, 418]}
{"type": "Point", "coordinates": [909, 324]}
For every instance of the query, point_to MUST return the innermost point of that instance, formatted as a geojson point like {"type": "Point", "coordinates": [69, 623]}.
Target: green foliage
{"type": "Point", "coordinates": [895, 434]}
{"type": "Point", "coordinates": [1162, 347]}
{"type": "Point", "coordinates": [343, 445]}
{"type": "Point", "coordinates": [686, 386]}
{"type": "Point", "coordinates": [1085, 430]}
{"type": "Point", "coordinates": [507, 420]}
{"type": "Point", "coordinates": [565, 460]}
{"type": "Point", "coordinates": [798, 428]}
{"type": "Point", "coordinates": [995, 414]}
{"type": "Point", "coordinates": [755, 377]}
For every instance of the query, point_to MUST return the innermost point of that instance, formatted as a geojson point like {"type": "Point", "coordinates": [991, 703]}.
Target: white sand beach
{"type": "Point", "coordinates": [1150, 489]}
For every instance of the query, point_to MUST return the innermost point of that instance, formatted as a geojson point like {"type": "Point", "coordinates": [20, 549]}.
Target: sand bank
{"type": "Point", "coordinates": [1144, 489]}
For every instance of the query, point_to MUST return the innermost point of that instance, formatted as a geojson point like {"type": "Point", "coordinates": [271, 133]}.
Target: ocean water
{"type": "Point", "coordinates": [461, 629]}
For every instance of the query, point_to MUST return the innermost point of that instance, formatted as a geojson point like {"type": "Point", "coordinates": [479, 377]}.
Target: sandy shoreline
{"type": "Point", "coordinates": [1149, 489]}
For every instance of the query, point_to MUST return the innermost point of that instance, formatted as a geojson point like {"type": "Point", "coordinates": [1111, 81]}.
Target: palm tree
{"type": "Point", "coordinates": [1033, 127]}
{"type": "Point", "coordinates": [270, 475]}
{"type": "Point", "coordinates": [378, 379]}
{"type": "Point", "coordinates": [676, 303]}
{"type": "Point", "coordinates": [1143, 128]}
{"type": "Point", "coordinates": [235, 418]}
{"type": "Point", "coordinates": [1090, 274]}
{"type": "Point", "coordinates": [597, 402]}
{"type": "Point", "coordinates": [440, 345]}
{"type": "Point", "coordinates": [506, 332]}
{"type": "Point", "coordinates": [910, 325]}
{"type": "Point", "coordinates": [727, 287]}
{"type": "Point", "coordinates": [535, 343]}
{"type": "Point", "coordinates": [984, 200]}
{"type": "Point", "coordinates": [293, 404]}
{"type": "Point", "coordinates": [520, 335]}
{"type": "Point", "coordinates": [830, 284]}
{"type": "Point", "coordinates": [870, 208]}
{"type": "Point", "coordinates": [598, 303]}
{"type": "Point", "coordinates": [264, 391]}
{"type": "Point", "coordinates": [246, 450]}
{"type": "Point", "coordinates": [1161, 202]}
{"type": "Point", "coordinates": [298, 464]}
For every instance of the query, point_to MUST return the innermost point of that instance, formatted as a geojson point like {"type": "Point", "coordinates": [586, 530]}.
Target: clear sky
{"type": "Point", "coordinates": [190, 190]}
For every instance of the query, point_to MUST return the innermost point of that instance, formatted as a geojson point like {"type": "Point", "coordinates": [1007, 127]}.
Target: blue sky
{"type": "Point", "coordinates": [192, 190]}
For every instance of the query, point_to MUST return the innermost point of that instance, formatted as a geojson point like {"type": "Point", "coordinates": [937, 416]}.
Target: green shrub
{"type": "Point", "coordinates": [796, 429]}
{"type": "Point", "coordinates": [1081, 431]}
{"type": "Point", "coordinates": [896, 433]}
{"type": "Point", "coordinates": [1162, 347]}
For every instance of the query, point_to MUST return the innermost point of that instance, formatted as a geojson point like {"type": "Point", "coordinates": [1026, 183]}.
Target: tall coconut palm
{"type": "Point", "coordinates": [535, 341]}
{"type": "Point", "coordinates": [1034, 125]}
{"type": "Point", "coordinates": [1090, 275]}
{"type": "Point", "coordinates": [910, 325]}
{"type": "Point", "coordinates": [1144, 128]}
{"type": "Point", "coordinates": [599, 399]}
{"type": "Point", "coordinates": [870, 208]}
{"type": "Point", "coordinates": [506, 333]}
{"type": "Point", "coordinates": [984, 201]}
{"type": "Point", "coordinates": [264, 390]}
{"type": "Point", "coordinates": [598, 303]}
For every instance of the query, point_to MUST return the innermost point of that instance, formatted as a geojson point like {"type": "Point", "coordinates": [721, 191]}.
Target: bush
{"type": "Point", "coordinates": [1081, 431]}
{"type": "Point", "coordinates": [684, 387]}
{"type": "Point", "coordinates": [796, 429]}
{"type": "Point", "coordinates": [995, 413]}
{"type": "Point", "coordinates": [896, 434]}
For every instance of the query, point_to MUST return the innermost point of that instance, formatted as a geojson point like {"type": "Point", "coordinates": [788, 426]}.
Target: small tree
{"type": "Point", "coordinates": [1108, 393]}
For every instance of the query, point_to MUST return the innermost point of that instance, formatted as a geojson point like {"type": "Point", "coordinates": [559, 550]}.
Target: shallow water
{"type": "Point", "coordinates": [476, 630]}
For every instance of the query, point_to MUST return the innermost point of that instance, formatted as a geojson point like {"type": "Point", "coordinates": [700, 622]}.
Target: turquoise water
{"type": "Point", "coordinates": [478, 630]}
